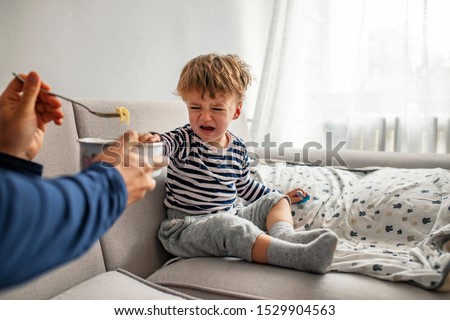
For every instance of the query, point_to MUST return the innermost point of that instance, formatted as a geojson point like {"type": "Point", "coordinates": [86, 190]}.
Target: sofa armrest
{"type": "Point", "coordinates": [351, 158]}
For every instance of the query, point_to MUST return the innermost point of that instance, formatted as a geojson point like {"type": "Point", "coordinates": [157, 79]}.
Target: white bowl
{"type": "Point", "coordinates": [90, 147]}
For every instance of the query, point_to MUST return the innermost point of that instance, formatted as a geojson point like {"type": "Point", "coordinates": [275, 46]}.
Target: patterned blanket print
{"type": "Point", "coordinates": [393, 224]}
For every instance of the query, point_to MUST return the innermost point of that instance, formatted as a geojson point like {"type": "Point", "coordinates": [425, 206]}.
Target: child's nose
{"type": "Point", "coordinates": [205, 115]}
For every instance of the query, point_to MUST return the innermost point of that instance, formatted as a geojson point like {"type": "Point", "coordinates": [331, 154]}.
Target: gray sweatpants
{"type": "Point", "coordinates": [222, 234]}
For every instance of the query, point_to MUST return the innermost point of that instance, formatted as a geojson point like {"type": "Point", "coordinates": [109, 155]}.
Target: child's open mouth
{"type": "Point", "coordinates": [207, 128]}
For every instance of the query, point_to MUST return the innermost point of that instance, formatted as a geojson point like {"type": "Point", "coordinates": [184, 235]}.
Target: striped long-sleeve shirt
{"type": "Point", "coordinates": [203, 179]}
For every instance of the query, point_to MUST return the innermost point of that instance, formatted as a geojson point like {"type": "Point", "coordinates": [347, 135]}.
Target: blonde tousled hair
{"type": "Point", "coordinates": [213, 73]}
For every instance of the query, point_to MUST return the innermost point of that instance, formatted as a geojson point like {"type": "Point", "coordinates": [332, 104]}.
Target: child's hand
{"type": "Point", "coordinates": [149, 137]}
{"type": "Point", "coordinates": [298, 195]}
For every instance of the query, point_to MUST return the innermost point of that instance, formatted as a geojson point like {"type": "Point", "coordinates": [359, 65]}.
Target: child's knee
{"type": "Point", "coordinates": [285, 203]}
{"type": "Point", "coordinates": [236, 226]}
{"type": "Point", "coordinates": [279, 200]}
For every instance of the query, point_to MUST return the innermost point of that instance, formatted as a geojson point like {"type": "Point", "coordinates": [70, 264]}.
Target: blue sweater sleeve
{"type": "Point", "coordinates": [47, 222]}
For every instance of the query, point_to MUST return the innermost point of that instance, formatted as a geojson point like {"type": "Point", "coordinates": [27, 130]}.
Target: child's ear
{"type": "Point", "coordinates": [237, 112]}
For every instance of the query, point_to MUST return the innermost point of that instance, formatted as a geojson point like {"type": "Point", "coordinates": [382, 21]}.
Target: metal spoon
{"type": "Point", "coordinates": [98, 114]}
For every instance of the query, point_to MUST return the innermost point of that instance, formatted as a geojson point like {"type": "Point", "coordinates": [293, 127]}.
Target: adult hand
{"type": "Point", "coordinates": [24, 114]}
{"type": "Point", "coordinates": [133, 166]}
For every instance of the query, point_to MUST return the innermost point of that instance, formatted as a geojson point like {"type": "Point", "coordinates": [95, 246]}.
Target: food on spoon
{"type": "Point", "coordinates": [124, 115]}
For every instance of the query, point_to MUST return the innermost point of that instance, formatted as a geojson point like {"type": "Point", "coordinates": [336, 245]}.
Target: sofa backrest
{"type": "Point", "coordinates": [145, 116]}
{"type": "Point", "coordinates": [355, 158]}
{"type": "Point", "coordinates": [59, 153]}
{"type": "Point", "coordinates": [60, 156]}
{"type": "Point", "coordinates": [132, 243]}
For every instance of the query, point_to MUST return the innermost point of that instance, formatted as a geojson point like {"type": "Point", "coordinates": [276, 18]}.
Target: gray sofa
{"type": "Point", "coordinates": [128, 262]}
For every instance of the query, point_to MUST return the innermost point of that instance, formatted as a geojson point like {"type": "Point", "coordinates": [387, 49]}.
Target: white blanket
{"type": "Point", "coordinates": [393, 224]}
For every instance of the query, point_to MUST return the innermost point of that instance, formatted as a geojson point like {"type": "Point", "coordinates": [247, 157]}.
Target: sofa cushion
{"type": "Point", "coordinates": [231, 278]}
{"type": "Point", "coordinates": [119, 285]}
{"type": "Point", "coordinates": [132, 243]}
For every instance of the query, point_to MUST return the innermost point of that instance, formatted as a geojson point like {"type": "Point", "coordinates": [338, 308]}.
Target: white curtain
{"type": "Point", "coordinates": [375, 73]}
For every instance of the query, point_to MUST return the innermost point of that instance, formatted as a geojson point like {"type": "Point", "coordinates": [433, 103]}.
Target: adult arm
{"type": "Point", "coordinates": [45, 223]}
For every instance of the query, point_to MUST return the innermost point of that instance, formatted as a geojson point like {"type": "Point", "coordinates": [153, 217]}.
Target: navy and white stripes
{"type": "Point", "coordinates": [203, 179]}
